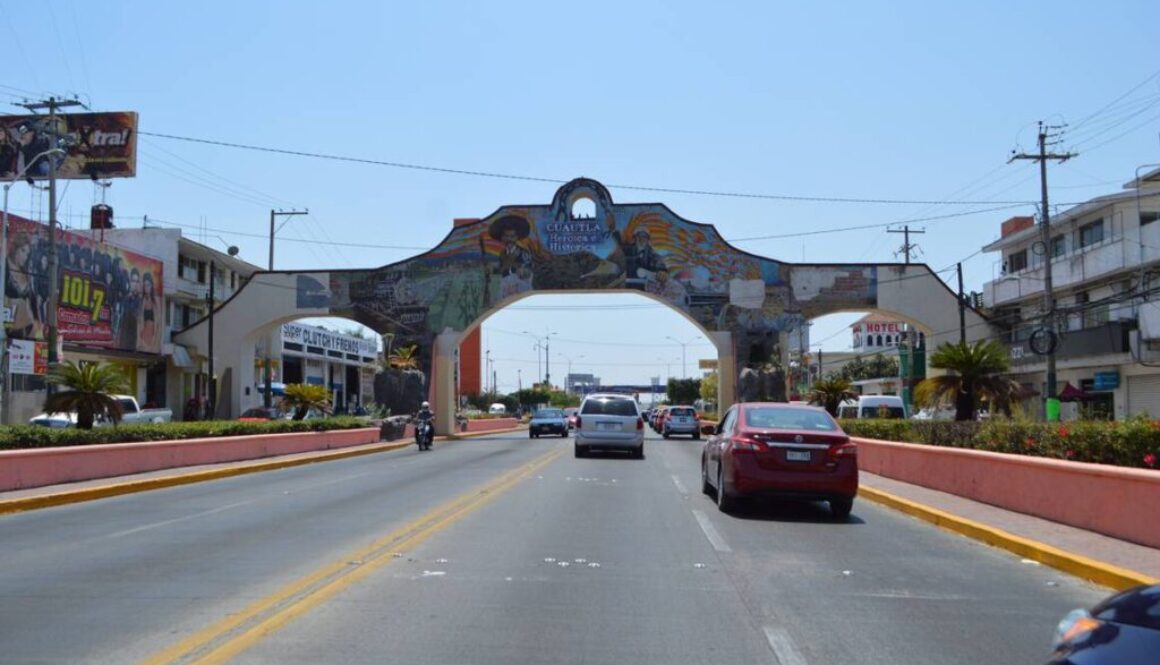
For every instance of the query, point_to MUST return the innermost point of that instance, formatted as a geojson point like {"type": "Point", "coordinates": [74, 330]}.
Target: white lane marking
{"type": "Point", "coordinates": [679, 484]}
{"type": "Point", "coordinates": [203, 513]}
{"type": "Point", "coordinates": [783, 648]}
{"type": "Point", "coordinates": [710, 532]}
{"type": "Point", "coordinates": [325, 483]}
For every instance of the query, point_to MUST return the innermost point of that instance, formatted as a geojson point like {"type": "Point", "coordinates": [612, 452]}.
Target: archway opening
{"type": "Point", "coordinates": [580, 343]}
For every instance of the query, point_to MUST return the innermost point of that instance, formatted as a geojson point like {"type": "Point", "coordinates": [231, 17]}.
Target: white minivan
{"type": "Point", "coordinates": [497, 409]}
{"type": "Point", "coordinates": [873, 406]}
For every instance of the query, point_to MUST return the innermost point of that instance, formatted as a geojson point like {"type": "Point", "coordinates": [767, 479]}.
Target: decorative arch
{"type": "Point", "coordinates": [746, 304]}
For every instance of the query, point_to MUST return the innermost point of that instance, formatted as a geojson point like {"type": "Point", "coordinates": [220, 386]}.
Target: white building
{"type": "Point", "coordinates": [1105, 260]}
{"type": "Point", "coordinates": [186, 267]}
{"type": "Point", "coordinates": [344, 363]}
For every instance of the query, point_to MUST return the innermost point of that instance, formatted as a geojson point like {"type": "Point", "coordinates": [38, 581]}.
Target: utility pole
{"type": "Point", "coordinates": [1052, 404]}
{"type": "Point", "coordinates": [52, 104]}
{"type": "Point", "coordinates": [211, 405]}
{"type": "Point", "coordinates": [906, 246]}
{"type": "Point", "coordinates": [962, 307]}
{"type": "Point", "coordinates": [268, 396]}
{"type": "Point", "coordinates": [280, 213]}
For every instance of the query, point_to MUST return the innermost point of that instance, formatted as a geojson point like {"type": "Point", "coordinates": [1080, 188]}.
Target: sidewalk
{"type": "Point", "coordinates": [1105, 560]}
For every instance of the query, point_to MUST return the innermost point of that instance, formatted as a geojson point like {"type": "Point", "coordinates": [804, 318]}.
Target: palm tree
{"type": "Point", "coordinates": [404, 358]}
{"type": "Point", "coordinates": [88, 390]}
{"type": "Point", "coordinates": [975, 370]}
{"type": "Point", "coordinates": [302, 398]}
{"type": "Point", "coordinates": [830, 392]}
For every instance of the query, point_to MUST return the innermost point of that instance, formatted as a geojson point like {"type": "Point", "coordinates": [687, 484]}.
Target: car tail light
{"type": "Point", "coordinates": [577, 421]}
{"type": "Point", "coordinates": [744, 443]}
{"type": "Point", "coordinates": [842, 450]}
{"type": "Point", "coordinates": [640, 423]}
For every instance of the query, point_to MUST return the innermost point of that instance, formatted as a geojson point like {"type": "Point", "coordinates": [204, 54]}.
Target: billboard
{"type": "Point", "coordinates": [96, 145]}
{"type": "Point", "coordinates": [110, 298]}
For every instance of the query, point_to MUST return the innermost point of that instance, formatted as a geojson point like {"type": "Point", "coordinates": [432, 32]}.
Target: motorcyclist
{"type": "Point", "coordinates": [423, 417]}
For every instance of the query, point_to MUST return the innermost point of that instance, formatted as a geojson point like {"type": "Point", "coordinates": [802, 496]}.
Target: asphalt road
{"type": "Point", "coordinates": [507, 550]}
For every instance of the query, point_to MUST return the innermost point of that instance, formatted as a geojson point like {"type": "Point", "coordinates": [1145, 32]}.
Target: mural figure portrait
{"type": "Point", "coordinates": [663, 285]}
{"type": "Point", "coordinates": [515, 259]}
{"type": "Point", "coordinates": [641, 260]}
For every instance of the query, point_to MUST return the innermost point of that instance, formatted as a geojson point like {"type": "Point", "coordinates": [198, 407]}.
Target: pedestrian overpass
{"type": "Point", "coordinates": [581, 242]}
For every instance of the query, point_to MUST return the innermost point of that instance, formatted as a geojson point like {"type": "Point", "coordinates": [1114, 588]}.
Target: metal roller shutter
{"type": "Point", "coordinates": [1144, 395]}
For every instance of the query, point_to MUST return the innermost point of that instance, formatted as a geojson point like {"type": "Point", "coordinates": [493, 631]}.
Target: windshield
{"type": "Point", "coordinates": [549, 413]}
{"type": "Point", "coordinates": [788, 418]}
{"type": "Point", "coordinates": [609, 407]}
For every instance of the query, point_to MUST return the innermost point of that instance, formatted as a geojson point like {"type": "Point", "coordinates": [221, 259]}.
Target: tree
{"type": "Point", "coordinates": [683, 391]}
{"type": "Point", "coordinates": [709, 387]}
{"type": "Point", "coordinates": [88, 391]}
{"type": "Point", "coordinates": [975, 370]}
{"type": "Point", "coordinates": [877, 367]}
{"type": "Point", "coordinates": [302, 397]}
{"type": "Point", "coordinates": [830, 391]}
{"type": "Point", "coordinates": [404, 358]}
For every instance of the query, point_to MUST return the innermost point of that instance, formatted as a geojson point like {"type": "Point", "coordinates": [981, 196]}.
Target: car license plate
{"type": "Point", "coordinates": [797, 455]}
{"type": "Point", "coordinates": [607, 426]}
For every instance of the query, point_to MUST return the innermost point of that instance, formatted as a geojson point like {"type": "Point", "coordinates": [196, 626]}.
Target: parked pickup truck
{"type": "Point", "coordinates": [131, 413]}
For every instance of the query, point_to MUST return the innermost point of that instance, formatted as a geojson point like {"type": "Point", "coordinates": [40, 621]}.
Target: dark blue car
{"type": "Point", "coordinates": [1123, 629]}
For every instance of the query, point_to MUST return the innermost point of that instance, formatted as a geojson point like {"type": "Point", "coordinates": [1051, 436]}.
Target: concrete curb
{"type": "Point", "coordinates": [1099, 572]}
{"type": "Point", "coordinates": [238, 469]}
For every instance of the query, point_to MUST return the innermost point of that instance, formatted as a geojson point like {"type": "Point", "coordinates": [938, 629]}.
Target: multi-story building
{"type": "Point", "coordinates": [1105, 260]}
{"type": "Point", "coordinates": [186, 264]}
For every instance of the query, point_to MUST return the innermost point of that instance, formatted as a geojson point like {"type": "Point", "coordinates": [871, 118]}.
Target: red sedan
{"type": "Point", "coordinates": [780, 450]}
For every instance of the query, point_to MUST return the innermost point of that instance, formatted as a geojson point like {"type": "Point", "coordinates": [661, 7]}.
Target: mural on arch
{"type": "Point", "coordinates": [644, 247]}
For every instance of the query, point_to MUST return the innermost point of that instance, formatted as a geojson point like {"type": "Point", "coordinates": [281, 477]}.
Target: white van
{"type": "Point", "coordinates": [873, 406]}
{"type": "Point", "coordinates": [497, 409]}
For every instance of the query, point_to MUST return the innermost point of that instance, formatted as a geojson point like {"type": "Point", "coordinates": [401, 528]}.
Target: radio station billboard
{"type": "Point", "coordinates": [110, 297]}
{"type": "Point", "coordinates": [96, 145]}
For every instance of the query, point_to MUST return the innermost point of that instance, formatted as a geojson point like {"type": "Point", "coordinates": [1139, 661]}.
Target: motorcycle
{"type": "Point", "coordinates": [424, 433]}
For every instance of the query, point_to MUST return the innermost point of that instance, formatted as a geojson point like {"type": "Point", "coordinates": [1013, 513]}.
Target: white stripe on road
{"type": "Point", "coordinates": [710, 531]}
{"type": "Point", "coordinates": [177, 520]}
{"type": "Point", "coordinates": [679, 484]}
{"type": "Point", "coordinates": [783, 648]}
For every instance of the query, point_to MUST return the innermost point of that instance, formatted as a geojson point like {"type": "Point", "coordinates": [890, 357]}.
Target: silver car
{"type": "Point", "coordinates": [681, 420]}
{"type": "Point", "coordinates": [609, 422]}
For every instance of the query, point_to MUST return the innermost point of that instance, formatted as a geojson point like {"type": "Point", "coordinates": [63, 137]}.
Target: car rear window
{"type": "Point", "coordinates": [609, 407]}
{"type": "Point", "coordinates": [883, 411]}
{"type": "Point", "coordinates": [549, 413]}
{"type": "Point", "coordinates": [773, 417]}
{"type": "Point", "coordinates": [683, 412]}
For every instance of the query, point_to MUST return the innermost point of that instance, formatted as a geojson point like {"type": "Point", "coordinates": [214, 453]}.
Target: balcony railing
{"type": "Point", "coordinates": [1109, 338]}
{"type": "Point", "coordinates": [1071, 269]}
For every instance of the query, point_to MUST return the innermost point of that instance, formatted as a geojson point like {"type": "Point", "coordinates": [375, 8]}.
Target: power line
{"type": "Point", "coordinates": [528, 178]}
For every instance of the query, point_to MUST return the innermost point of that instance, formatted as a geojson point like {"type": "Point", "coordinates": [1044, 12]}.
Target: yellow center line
{"type": "Point", "coordinates": [236, 633]}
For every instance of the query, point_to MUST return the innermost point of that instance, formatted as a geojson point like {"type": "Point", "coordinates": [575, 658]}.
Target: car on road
{"type": "Point", "coordinates": [681, 420]}
{"type": "Point", "coordinates": [609, 421]}
{"type": "Point", "coordinates": [570, 413]}
{"type": "Point", "coordinates": [1124, 628]}
{"type": "Point", "coordinates": [263, 414]}
{"type": "Point", "coordinates": [873, 406]}
{"type": "Point", "coordinates": [548, 421]}
{"type": "Point", "coordinates": [768, 449]}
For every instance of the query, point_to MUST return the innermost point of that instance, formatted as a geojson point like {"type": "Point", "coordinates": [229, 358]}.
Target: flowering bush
{"type": "Point", "coordinates": [1134, 442]}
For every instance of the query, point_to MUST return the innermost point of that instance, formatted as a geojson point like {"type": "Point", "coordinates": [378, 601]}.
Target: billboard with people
{"type": "Point", "coordinates": [91, 145]}
{"type": "Point", "coordinates": [110, 298]}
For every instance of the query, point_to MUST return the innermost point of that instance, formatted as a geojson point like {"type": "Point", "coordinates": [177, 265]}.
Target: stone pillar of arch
{"type": "Point", "coordinates": [442, 390]}
{"type": "Point", "coordinates": [726, 368]}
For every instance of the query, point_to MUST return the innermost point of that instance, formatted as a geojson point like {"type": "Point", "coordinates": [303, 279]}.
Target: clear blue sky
{"type": "Point", "coordinates": [910, 100]}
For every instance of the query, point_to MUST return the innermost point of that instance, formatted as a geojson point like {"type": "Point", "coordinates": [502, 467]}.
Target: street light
{"type": "Point", "coordinates": [542, 343]}
{"type": "Point", "coordinates": [684, 368]}
{"type": "Point", "coordinates": [4, 279]}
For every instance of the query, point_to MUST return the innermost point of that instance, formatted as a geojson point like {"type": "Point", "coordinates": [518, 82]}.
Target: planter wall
{"type": "Point", "coordinates": [22, 469]}
{"type": "Point", "coordinates": [1115, 501]}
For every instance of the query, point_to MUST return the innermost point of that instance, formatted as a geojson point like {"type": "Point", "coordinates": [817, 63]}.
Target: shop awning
{"type": "Point", "coordinates": [181, 356]}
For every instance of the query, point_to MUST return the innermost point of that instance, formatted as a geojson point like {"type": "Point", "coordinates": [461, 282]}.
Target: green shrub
{"type": "Point", "coordinates": [1134, 442]}
{"type": "Point", "coordinates": [31, 436]}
